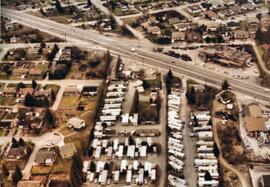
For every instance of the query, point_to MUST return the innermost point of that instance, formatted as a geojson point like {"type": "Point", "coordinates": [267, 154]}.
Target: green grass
{"type": "Point", "coordinates": [69, 101]}
{"type": "Point", "coordinates": [7, 100]}
{"type": "Point", "coordinates": [54, 87]}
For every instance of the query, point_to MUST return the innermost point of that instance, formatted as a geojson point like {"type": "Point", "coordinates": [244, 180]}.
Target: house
{"type": "Point", "coordinates": [229, 2]}
{"type": "Point", "coordinates": [217, 4]}
{"type": "Point", "coordinates": [181, 26]}
{"type": "Point", "coordinates": [178, 36]}
{"type": "Point", "coordinates": [30, 184]}
{"type": "Point", "coordinates": [71, 90]}
{"type": "Point", "coordinates": [45, 157]}
{"type": "Point", "coordinates": [35, 72]}
{"type": "Point", "coordinates": [236, 9]}
{"type": "Point", "coordinates": [265, 22]}
{"type": "Point", "coordinates": [264, 181]}
{"type": "Point", "coordinates": [25, 91]}
{"type": "Point", "coordinates": [89, 91]}
{"type": "Point", "coordinates": [32, 50]}
{"type": "Point", "coordinates": [173, 21]}
{"type": "Point", "coordinates": [209, 14]}
{"type": "Point", "coordinates": [76, 123]}
{"type": "Point", "coordinates": [17, 153]}
{"type": "Point", "coordinates": [66, 54]}
{"type": "Point", "coordinates": [253, 120]}
{"type": "Point", "coordinates": [155, 30]}
{"type": "Point", "coordinates": [240, 34]}
{"type": "Point", "coordinates": [9, 91]}
{"type": "Point", "coordinates": [67, 151]}
{"type": "Point", "coordinates": [233, 25]}
{"type": "Point", "coordinates": [225, 13]}
{"type": "Point", "coordinates": [11, 26]}
{"type": "Point", "coordinates": [13, 39]}
{"type": "Point", "coordinates": [59, 180]}
{"type": "Point", "coordinates": [253, 25]}
{"type": "Point", "coordinates": [248, 7]}
{"type": "Point", "coordinates": [19, 71]}
{"type": "Point", "coordinates": [194, 9]}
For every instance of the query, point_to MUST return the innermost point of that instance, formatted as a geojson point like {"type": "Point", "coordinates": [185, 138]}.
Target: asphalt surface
{"type": "Point", "coordinates": [146, 55]}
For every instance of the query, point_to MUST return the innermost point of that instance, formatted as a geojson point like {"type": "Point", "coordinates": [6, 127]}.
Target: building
{"type": "Point", "coordinates": [76, 123]}
{"type": "Point", "coordinates": [155, 30]}
{"type": "Point", "coordinates": [67, 151]}
{"type": "Point", "coordinates": [194, 9]}
{"type": "Point", "coordinates": [253, 120]}
{"type": "Point", "coordinates": [17, 153]}
{"type": "Point", "coordinates": [45, 157]}
{"type": "Point", "coordinates": [226, 57]}
{"type": "Point", "coordinates": [178, 36]}
{"type": "Point", "coordinates": [240, 34]}
{"type": "Point", "coordinates": [209, 14]}
{"type": "Point", "coordinates": [89, 91]}
{"type": "Point", "coordinates": [30, 184]}
{"type": "Point", "coordinates": [265, 181]}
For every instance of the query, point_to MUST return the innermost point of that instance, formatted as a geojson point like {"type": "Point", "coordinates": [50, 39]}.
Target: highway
{"type": "Point", "coordinates": [141, 54]}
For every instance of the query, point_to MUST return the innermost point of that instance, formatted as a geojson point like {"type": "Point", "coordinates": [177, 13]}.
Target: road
{"type": "Point", "coordinates": [189, 142]}
{"type": "Point", "coordinates": [146, 55]}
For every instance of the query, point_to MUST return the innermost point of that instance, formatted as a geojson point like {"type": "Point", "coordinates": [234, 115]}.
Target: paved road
{"type": "Point", "coordinates": [149, 57]}
{"type": "Point", "coordinates": [189, 142]}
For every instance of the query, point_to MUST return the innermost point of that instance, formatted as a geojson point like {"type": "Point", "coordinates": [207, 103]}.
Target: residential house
{"type": "Point", "coordinates": [35, 72]}
{"type": "Point", "coordinates": [229, 2]}
{"type": "Point", "coordinates": [13, 39]}
{"type": "Point", "coordinates": [178, 36]}
{"type": "Point", "coordinates": [209, 14]}
{"type": "Point", "coordinates": [225, 13]}
{"type": "Point", "coordinates": [181, 26]}
{"type": "Point", "coordinates": [194, 9]}
{"type": "Point", "coordinates": [155, 30]}
{"type": "Point", "coordinates": [240, 34]}
{"type": "Point", "coordinates": [19, 71]}
{"type": "Point", "coordinates": [76, 123]}
{"type": "Point", "coordinates": [217, 4]}
{"type": "Point", "coordinates": [17, 153]}
{"type": "Point", "coordinates": [30, 183]}
{"type": "Point", "coordinates": [253, 120]}
{"type": "Point", "coordinates": [25, 91]}
{"type": "Point", "coordinates": [248, 7]}
{"type": "Point", "coordinates": [45, 157]}
{"type": "Point", "coordinates": [11, 26]}
{"type": "Point", "coordinates": [173, 21]}
{"type": "Point", "coordinates": [9, 91]}
{"type": "Point", "coordinates": [67, 151]}
{"type": "Point", "coordinates": [265, 22]}
{"type": "Point", "coordinates": [264, 181]}
{"type": "Point", "coordinates": [89, 91]}
{"type": "Point", "coordinates": [236, 9]}
{"type": "Point", "coordinates": [66, 54]}
{"type": "Point", "coordinates": [252, 25]}
{"type": "Point", "coordinates": [233, 25]}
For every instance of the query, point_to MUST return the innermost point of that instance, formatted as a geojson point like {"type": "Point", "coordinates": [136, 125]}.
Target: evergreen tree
{"type": "Point", "coordinates": [53, 96]}
{"type": "Point", "coordinates": [17, 175]}
{"type": "Point", "coordinates": [76, 171]}
{"type": "Point", "coordinates": [210, 123]}
{"type": "Point", "coordinates": [21, 142]}
{"type": "Point", "coordinates": [225, 85]}
{"type": "Point", "coordinates": [14, 143]}
{"type": "Point", "coordinates": [34, 84]}
{"type": "Point", "coordinates": [195, 121]}
{"type": "Point", "coordinates": [207, 176]}
{"type": "Point", "coordinates": [29, 100]}
{"type": "Point", "coordinates": [216, 150]}
{"type": "Point", "coordinates": [89, 3]}
{"type": "Point", "coordinates": [192, 96]}
{"type": "Point", "coordinates": [49, 118]}
{"type": "Point", "coordinates": [5, 170]}
{"type": "Point", "coordinates": [92, 166]}
{"type": "Point", "coordinates": [59, 7]}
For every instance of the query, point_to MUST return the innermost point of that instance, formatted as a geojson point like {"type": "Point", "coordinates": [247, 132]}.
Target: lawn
{"type": "Point", "coordinates": [1, 134]}
{"type": "Point", "coordinates": [69, 101]}
{"type": "Point", "coordinates": [41, 170]}
{"type": "Point", "coordinates": [54, 87]}
{"type": "Point", "coordinates": [7, 100]}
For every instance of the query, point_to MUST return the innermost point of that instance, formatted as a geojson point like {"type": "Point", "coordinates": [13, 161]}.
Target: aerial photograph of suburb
{"type": "Point", "coordinates": [129, 93]}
